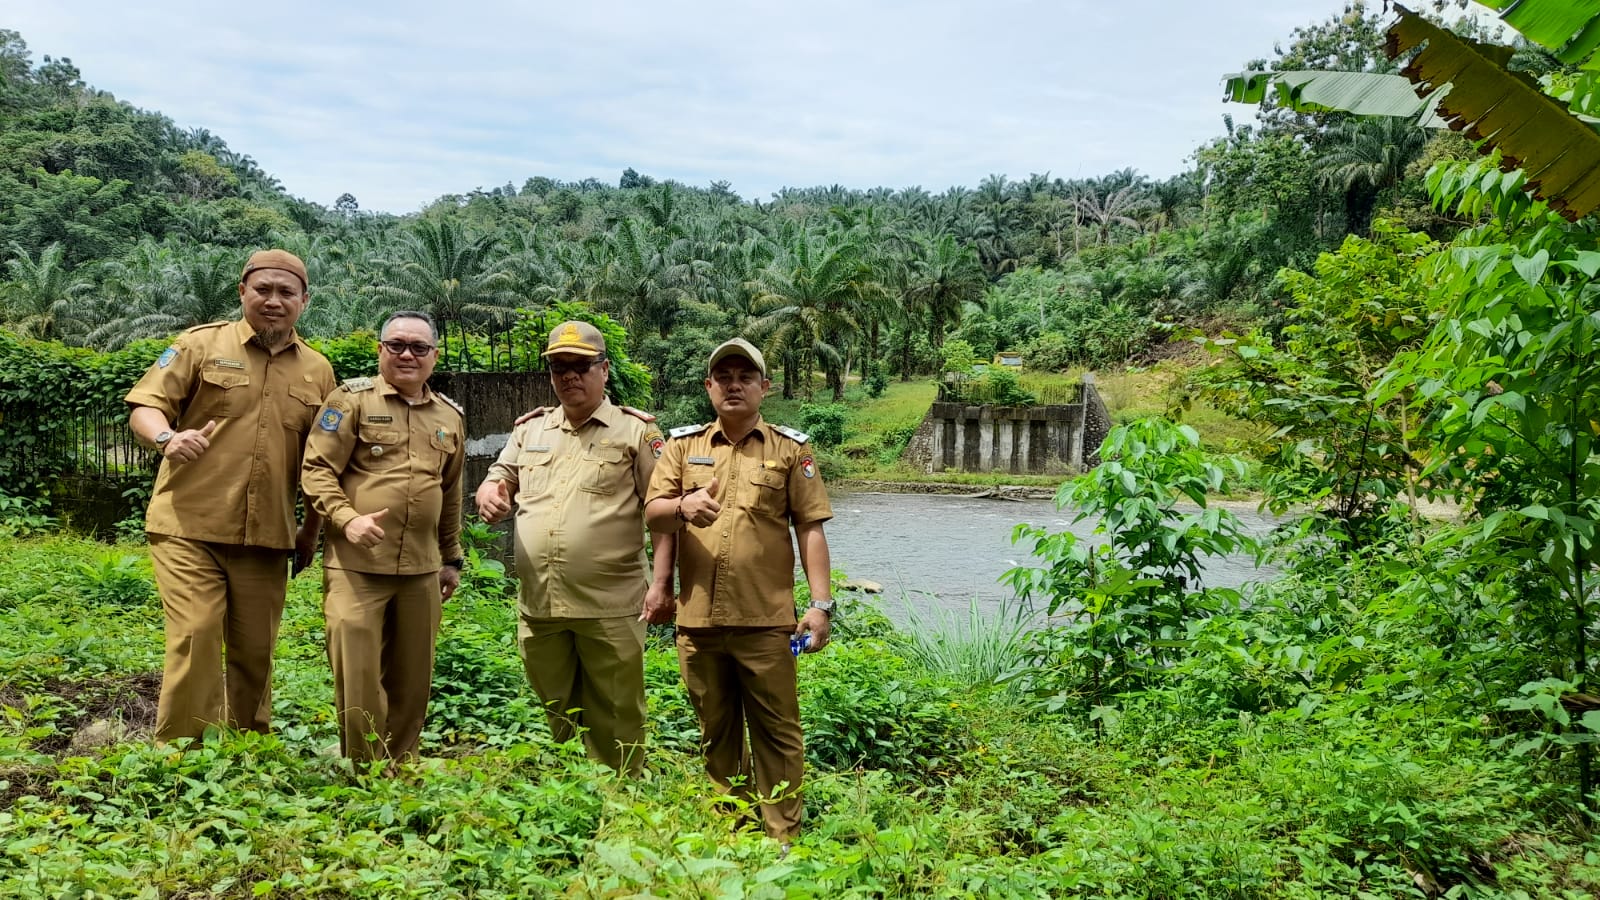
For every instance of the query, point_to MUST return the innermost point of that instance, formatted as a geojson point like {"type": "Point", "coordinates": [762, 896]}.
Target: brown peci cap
{"type": "Point", "coordinates": [579, 338]}
{"type": "Point", "coordinates": [738, 347]}
{"type": "Point", "coordinates": [275, 259]}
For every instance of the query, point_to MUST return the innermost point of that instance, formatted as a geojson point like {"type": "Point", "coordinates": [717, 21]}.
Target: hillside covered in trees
{"type": "Point", "coordinates": [117, 224]}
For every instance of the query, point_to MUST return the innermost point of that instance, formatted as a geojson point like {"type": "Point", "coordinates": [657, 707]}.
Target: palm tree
{"type": "Point", "coordinates": [806, 305]}
{"type": "Point", "coordinates": [447, 273]}
{"type": "Point", "coordinates": [37, 299]}
{"type": "Point", "coordinates": [943, 276]}
{"type": "Point", "coordinates": [1366, 158]}
{"type": "Point", "coordinates": [1117, 200]}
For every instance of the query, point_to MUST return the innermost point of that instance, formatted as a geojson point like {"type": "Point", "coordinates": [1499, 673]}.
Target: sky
{"type": "Point", "coordinates": [400, 103]}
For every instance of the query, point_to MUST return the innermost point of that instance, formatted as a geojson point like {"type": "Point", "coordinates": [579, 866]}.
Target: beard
{"type": "Point", "coordinates": [274, 335]}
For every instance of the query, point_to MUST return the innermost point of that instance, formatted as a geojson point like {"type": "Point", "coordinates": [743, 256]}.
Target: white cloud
{"type": "Point", "coordinates": [401, 103]}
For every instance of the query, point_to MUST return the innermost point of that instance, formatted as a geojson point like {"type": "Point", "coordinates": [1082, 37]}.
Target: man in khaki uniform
{"type": "Point", "coordinates": [383, 466]}
{"type": "Point", "coordinates": [579, 476]}
{"type": "Point", "coordinates": [731, 490]}
{"type": "Point", "coordinates": [228, 406]}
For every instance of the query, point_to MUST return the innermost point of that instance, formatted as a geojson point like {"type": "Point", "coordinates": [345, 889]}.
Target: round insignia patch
{"type": "Point", "coordinates": [377, 450]}
{"type": "Point", "coordinates": [330, 420]}
{"type": "Point", "coordinates": [656, 443]}
{"type": "Point", "coordinates": [166, 357]}
{"type": "Point", "coordinates": [808, 468]}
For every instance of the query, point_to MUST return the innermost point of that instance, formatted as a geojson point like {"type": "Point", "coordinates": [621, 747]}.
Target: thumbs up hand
{"type": "Point", "coordinates": [364, 531]}
{"type": "Point", "coordinates": [494, 501]}
{"type": "Point", "coordinates": [188, 445]}
{"type": "Point", "coordinates": [700, 507]}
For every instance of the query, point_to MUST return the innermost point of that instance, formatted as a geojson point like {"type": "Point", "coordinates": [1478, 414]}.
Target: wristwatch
{"type": "Point", "coordinates": [458, 563]}
{"type": "Point", "coordinates": [825, 605]}
{"type": "Point", "coordinates": [162, 439]}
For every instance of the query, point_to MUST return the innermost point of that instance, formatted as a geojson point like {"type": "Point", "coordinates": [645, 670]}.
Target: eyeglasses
{"type": "Point", "coordinates": [417, 348]}
{"type": "Point", "coordinates": [575, 368]}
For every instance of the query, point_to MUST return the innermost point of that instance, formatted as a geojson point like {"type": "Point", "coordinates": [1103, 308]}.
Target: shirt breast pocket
{"type": "Point", "coordinates": [302, 410]}
{"type": "Point", "coordinates": [224, 394]}
{"type": "Point", "coordinates": [605, 470]}
{"type": "Point", "coordinates": [769, 492]}
{"type": "Point", "coordinates": [379, 448]}
{"type": "Point", "coordinates": [444, 446]}
{"type": "Point", "coordinates": [533, 472]}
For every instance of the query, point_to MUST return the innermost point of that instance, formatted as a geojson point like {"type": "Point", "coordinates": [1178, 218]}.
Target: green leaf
{"type": "Point", "coordinates": [1362, 93]}
{"type": "Point", "coordinates": [1506, 111]}
{"type": "Point", "coordinates": [1532, 268]}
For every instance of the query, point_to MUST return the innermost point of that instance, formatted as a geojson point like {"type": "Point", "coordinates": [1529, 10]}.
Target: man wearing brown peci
{"type": "Point", "coordinates": [383, 466]}
{"type": "Point", "coordinates": [578, 476]}
{"type": "Point", "coordinates": [228, 406]}
{"type": "Point", "coordinates": [731, 490]}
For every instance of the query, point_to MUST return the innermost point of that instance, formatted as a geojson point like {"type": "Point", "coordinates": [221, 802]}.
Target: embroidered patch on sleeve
{"type": "Point", "coordinates": [330, 420]}
{"type": "Point", "coordinates": [166, 357]}
{"type": "Point", "coordinates": [808, 467]}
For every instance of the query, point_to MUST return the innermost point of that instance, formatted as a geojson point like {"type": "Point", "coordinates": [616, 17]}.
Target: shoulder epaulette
{"type": "Point", "coordinates": [639, 414]}
{"type": "Point", "coordinates": [687, 430]}
{"type": "Point", "coordinates": [799, 437]}
{"type": "Point", "coordinates": [207, 327]}
{"type": "Point", "coordinates": [358, 384]}
{"type": "Point", "coordinates": [453, 404]}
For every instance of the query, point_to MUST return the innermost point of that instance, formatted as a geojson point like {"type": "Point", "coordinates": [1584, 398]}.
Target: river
{"type": "Point", "coordinates": [953, 550]}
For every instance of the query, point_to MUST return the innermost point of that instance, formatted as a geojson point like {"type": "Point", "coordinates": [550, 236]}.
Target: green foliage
{"type": "Point", "coordinates": [957, 356]}
{"type": "Point", "coordinates": [1335, 446]}
{"type": "Point", "coordinates": [1126, 601]}
{"type": "Point", "coordinates": [824, 422]}
{"type": "Point", "coordinates": [352, 356]}
{"type": "Point", "coordinates": [863, 706]}
{"type": "Point", "coordinates": [1005, 389]}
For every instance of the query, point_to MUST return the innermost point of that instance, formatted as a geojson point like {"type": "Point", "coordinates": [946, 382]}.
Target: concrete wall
{"type": "Point", "coordinates": [1056, 439]}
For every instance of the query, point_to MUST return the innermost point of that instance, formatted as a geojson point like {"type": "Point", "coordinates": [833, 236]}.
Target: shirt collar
{"type": "Point", "coordinates": [605, 414]}
{"type": "Point", "coordinates": [759, 431]}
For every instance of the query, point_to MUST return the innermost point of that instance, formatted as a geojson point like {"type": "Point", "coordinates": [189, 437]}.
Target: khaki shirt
{"type": "Point", "coordinates": [580, 512]}
{"type": "Point", "coordinates": [739, 570]}
{"type": "Point", "coordinates": [372, 450]}
{"type": "Point", "coordinates": [242, 489]}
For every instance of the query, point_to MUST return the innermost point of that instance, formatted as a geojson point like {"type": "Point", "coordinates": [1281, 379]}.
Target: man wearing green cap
{"type": "Point", "coordinates": [731, 490]}
{"type": "Point", "coordinates": [578, 477]}
{"type": "Point", "coordinates": [228, 407]}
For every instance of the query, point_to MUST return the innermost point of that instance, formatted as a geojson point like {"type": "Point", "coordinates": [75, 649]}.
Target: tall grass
{"type": "Point", "coordinates": [975, 649]}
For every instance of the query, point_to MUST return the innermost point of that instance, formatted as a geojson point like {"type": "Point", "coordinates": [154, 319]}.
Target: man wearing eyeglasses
{"type": "Point", "coordinates": [228, 406]}
{"type": "Point", "coordinates": [731, 490]}
{"type": "Point", "coordinates": [578, 477]}
{"type": "Point", "coordinates": [383, 466]}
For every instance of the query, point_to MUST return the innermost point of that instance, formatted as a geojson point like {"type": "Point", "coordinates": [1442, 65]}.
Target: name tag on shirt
{"type": "Point", "coordinates": [701, 461]}
{"type": "Point", "coordinates": [538, 449]}
{"type": "Point", "coordinates": [228, 363]}
{"type": "Point", "coordinates": [381, 420]}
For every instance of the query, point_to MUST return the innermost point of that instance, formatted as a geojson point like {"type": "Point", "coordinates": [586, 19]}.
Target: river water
{"type": "Point", "coordinates": [953, 550]}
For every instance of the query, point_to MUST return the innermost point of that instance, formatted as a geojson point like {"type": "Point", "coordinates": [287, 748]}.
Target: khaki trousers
{"type": "Point", "coordinates": [381, 631]}
{"type": "Point", "coordinates": [744, 678]}
{"type": "Point", "coordinates": [220, 601]}
{"type": "Point", "coordinates": [590, 674]}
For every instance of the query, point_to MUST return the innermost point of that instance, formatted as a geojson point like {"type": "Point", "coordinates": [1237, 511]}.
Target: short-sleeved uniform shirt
{"type": "Point", "coordinates": [739, 570]}
{"type": "Point", "coordinates": [580, 494]}
{"type": "Point", "coordinates": [242, 489]}
{"type": "Point", "coordinates": [372, 450]}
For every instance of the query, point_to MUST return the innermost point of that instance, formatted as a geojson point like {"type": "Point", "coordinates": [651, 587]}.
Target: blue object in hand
{"type": "Point", "coordinates": [798, 645]}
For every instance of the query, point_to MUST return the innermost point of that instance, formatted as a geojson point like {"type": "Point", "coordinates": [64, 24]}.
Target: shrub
{"type": "Point", "coordinates": [825, 422]}
{"type": "Point", "coordinates": [863, 706]}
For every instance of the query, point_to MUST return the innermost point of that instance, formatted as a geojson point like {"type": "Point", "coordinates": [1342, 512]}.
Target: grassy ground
{"type": "Point", "coordinates": [924, 781]}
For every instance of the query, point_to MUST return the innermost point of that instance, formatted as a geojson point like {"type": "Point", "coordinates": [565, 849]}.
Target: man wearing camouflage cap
{"type": "Point", "coordinates": [578, 476]}
{"type": "Point", "coordinates": [228, 406]}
